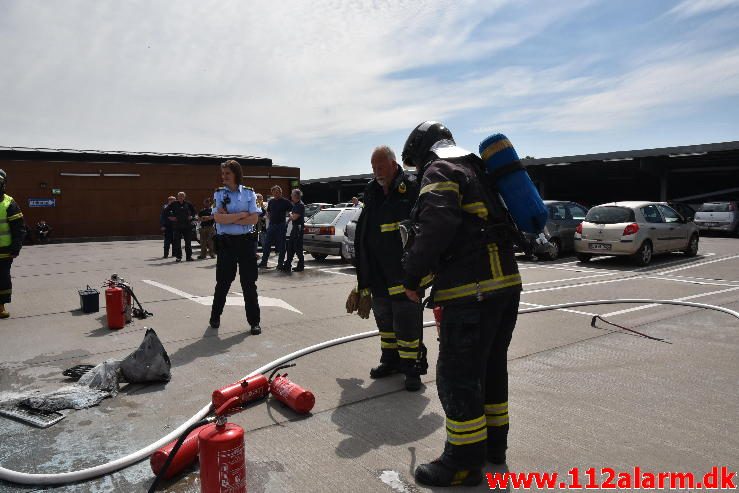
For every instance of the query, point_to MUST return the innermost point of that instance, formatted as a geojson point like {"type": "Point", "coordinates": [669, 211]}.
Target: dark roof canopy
{"type": "Point", "coordinates": [48, 154]}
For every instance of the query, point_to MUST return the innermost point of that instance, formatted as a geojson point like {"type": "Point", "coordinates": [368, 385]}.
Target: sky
{"type": "Point", "coordinates": [318, 84]}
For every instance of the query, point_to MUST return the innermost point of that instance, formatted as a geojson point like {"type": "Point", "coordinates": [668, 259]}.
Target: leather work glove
{"type": "Point", "coordinates": [365, 303]}
{"type": "Point", "coordinates": [352, 302]}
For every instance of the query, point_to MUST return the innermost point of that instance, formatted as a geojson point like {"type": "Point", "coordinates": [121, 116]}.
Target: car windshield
{"type": "Point", "coordinates": [324, 217]}
{"type": "Point", "coordinates": [715, 207]}
{"type": "Point", "coordinates": [609, 215]}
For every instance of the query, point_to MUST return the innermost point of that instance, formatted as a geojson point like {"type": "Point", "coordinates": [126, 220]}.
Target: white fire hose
{"type": "Point", "coordinates": [104, 469]}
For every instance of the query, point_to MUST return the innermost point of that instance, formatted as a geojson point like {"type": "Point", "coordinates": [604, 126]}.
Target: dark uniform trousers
{"type": "Point", "coordinates": [168, 240]}
{"type": "Point", "coordinates": [6, 286]}
{"type": "Point", "coordinates": [295, 246]}
{"type": "Point", "coordinates": [400, 323]}
{"type": "Point", "coordinates": [237, 251]}
{"type": "Point", "coordinates": [178, 235]}
{"type": "Point", "coordinates": [472, 377]}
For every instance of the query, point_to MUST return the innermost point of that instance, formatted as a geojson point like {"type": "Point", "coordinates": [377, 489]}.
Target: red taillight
{"type": "Point", "coordinates": [327, 230]}
{"type": "Point", "coordinates": [732, 206]}
{"type": "Point", "coordinates": [578, 229]}
{"type": "Point", "coordinates": [631, 229]}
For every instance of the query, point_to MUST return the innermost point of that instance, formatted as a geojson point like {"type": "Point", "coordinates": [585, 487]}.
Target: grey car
{"type": "Point", "coordinates": [718, 216]}
{"type": "Point", "coordinates": [636, 229]}
{"type": "Point", "coordinates": [564, 217]}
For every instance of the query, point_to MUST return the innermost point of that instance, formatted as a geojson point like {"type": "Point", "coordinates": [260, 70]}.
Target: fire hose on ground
{"type": "Point", "coordinates": [113, 466]}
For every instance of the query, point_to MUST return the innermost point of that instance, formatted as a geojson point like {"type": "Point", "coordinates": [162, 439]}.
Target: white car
{"type": "Point", "coordinates": [636, 229]}
{"type": "Point", "coordinates": [718, 216]}
{"type": "Point", "coordinates": [323, 234]}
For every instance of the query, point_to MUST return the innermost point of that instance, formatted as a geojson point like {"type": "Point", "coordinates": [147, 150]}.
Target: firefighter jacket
{"type": "Point", "coordinates": [463, 233]}
{"type": "Point", "coordinates": [378, 246]}
{"type": "Point", "coordinates": [12, 228]}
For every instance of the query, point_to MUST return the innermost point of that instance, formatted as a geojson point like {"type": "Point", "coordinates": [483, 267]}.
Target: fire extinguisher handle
{"type": "Point", "coordinates": [282, 367]}
{"type": "Point", "coordinates": [227, 405]}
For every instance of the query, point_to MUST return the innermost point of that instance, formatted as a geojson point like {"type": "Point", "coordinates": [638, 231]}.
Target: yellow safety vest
{"type": "Point", "coordinates": [5, 237]}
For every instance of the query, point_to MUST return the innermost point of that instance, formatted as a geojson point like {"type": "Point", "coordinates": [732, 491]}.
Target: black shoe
{"type": "Point", "coordinates": [496, 458]}
{"type": "Point", "coordinates": [299, 268]}
{"type": "Point", "coordinates": [437, 473]}
{"type": "Point", "coordinates": [214, 322]}
{"type": "Point", "coordinates": [383, 370]}
{"type": "Point", "coordinates": [412, 382]}
{"type": "Point", "coordinates": [178, 259]}
{"type": "Point", "coordinates": [264, 266]}
{"type": "Point", "coordinates": [255, 330]}
{"type": "Point", "coordinates": [190, 259]}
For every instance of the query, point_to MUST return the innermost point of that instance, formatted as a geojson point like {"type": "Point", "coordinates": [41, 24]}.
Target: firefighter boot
{"type": "Point", "coordinates": [437, 473]}
{"type": "Point", "coordinates": [3, 312]}
{"type": "Point", "coordinates": [412, 381]}
{"type": "Point", "coordinates": [383, 370]}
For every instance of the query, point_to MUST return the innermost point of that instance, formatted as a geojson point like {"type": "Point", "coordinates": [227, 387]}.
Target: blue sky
{"type": "Point", "coordinates": [318, 84]}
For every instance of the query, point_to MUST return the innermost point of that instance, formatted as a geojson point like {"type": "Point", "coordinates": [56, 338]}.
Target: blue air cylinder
{"type": "Point", "coordinates": [513, 182]}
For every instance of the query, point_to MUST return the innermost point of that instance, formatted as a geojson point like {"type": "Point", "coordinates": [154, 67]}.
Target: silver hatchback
{"type": "Point", "coordinates": [636, 229]}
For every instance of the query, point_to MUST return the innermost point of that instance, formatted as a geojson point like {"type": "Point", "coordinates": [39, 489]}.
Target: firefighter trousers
{"type": "Point", "coordinates": [6, 287]}
{"type": "Point", "coordinates": [400, 323]}
{"type": "Point", "coordinates": [472, 378]}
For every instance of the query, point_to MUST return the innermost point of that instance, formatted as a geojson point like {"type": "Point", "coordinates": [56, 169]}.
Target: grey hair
{"type": "Point", "coordinates": [298, 192]}
{"type": "Point", "coordinates": [183, 193]}
{"type": "Point", "coordinates": [386, 150]}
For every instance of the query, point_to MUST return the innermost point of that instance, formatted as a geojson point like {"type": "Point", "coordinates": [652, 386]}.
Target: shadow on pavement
{"type": "Point", "coordinates": [211, 344]}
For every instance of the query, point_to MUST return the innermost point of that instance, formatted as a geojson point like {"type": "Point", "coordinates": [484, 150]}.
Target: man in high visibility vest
{"type": "Point", "coordinates": [12, 231]}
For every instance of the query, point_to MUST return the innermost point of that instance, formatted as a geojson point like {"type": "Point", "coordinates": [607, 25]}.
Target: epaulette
{"type": "Point", "coordinates": [220, 189]}
{"type": "Point", "coordinates": [248, 188]}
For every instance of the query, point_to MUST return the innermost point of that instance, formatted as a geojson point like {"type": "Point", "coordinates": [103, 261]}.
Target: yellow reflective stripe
{"type": "Point", "coordinates": [495, 148]}
{"type": "Point", "coordinates": [5, 255]}
{"type": "Point", "coordinates": [426, 280]}
{"type": "Point", "coordinates": [459, 477]}
{"type": "Point", "coordinates": [15, 216]}
{"type": "Point", "coordinates": [474, 288]}
{"type": "Point", "coordinates": [6, 291]}
{"type": "Point", "coordinates": [386, 228]}
{"type": "Point", "coordinates": [395, 290]}
{"type": "Point", "coordinates": [461, 426]}
{"type": "Point", "coordinates": [496, 408]}
{"type": "Point", "coordinates": [442, 186]}
{"type": "Point", "coordinates": [497, 420]}
{"type": "Point", "coordinates": [467, 438]}
{"type": "Point", "coordinates": [388, 345]}
{"type": "Point", "coordinates": [407, 354]}
{"type": "Point", "coordinates": [495, 267]}
{"type": "Point", "coordinates": [410, 344]}
{"type": "Point", "coordinates": [477, 209]}
{"type": "Point", "coordinates": [387, 335]}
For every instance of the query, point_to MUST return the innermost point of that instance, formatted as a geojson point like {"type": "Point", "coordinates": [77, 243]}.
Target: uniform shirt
{"type": "Point", "coordinates": [242, 200]}
{"type": "Point", "coordinates": [181, 211]}
{"type": "Point", "coordinates": [277, 209]}
{"type": "Point", "coordinates": [299, 208]}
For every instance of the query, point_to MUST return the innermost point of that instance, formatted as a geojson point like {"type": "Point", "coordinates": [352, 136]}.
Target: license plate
{"type": "Point", "coordinates": [311, 230]}
{"type": "Point", "coordinates": [600, 246]}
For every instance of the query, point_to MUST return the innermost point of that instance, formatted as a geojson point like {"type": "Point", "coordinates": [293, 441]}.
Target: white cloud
{"type": "Point", "coordinates": [675, 86]}
{"type": "Point", "coordinates": [222, 76]}
{"type": "Point", "coordinates": [690, 8]}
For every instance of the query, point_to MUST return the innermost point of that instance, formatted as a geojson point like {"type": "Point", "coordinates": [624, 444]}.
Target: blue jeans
{"type": "Point", "coordinates": [275, 236]}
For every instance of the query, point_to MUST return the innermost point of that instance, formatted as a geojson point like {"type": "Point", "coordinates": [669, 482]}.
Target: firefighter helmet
{"type": "Point", "coordinates": [419, 142]}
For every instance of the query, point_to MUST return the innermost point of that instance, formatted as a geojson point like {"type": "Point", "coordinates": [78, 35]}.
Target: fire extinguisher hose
{"type": "Point", "coordinates": [174, 451]}
{"type": "Point", "coordinates": [110, 467]}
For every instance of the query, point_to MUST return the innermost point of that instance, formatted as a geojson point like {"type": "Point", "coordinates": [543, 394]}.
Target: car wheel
{"type": "Point", "coordinates": [344, 258]}
{"type": "Point", "coordinates": [319, 256]}
{"type": "Point", "coordinates": [553, 251]}
{"type": "Point", "coordinates": [692, 249]}
{"type": "Point", "coordinates": [584, 257]}
{"type": "Point", "coordinates": [643, 256]}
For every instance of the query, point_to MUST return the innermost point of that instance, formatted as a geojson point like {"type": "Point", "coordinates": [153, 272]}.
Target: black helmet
{"type": "Point", "coordinates": [3, 176]}
{"type": "Point", "coordinates": [420, 141]}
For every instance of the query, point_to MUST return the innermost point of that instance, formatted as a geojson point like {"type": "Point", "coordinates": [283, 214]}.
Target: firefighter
{"type": "Point", "coordinates": [461, 232]}
{"type": "Point", "coordinates": [388, 199]}
{"type": "Point", "coordinates": [12, 232]}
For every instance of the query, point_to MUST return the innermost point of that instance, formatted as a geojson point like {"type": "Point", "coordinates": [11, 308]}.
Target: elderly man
{"type": "Point", "coordinates": [388, 200]}
{"type": "Point", "coordinates": [166, 225]}
{"type": "Point", "coordinates": [180, 213]}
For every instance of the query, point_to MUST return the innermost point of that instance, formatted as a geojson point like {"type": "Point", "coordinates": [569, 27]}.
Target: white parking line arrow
{"type": "Point", "coordinates": [230, 300]}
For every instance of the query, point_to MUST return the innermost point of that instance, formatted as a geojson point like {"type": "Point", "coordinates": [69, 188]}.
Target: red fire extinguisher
{"type": "Point", "coordinates": [289, 393]}
{"type": "Point", "coordinates": [185, 456]}
{"type": "Point", "coordinates": [248, 390]}
{"type": "Point", "coordinates": [222, 456]}
{"type": "Point", "coordinates": [438, 315]}
{"type": "Point", "coordinates": [114, 308]}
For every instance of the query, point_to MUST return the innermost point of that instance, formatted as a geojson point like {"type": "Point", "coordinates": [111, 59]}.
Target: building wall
{"type": "Point", "coordinates": [105, 206]}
